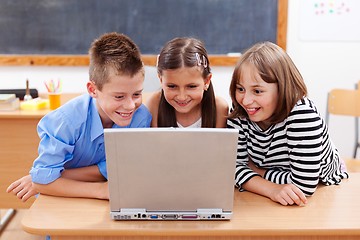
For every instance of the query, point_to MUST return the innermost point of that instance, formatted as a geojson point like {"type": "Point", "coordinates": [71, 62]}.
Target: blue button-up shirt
{"type": "Point", "coordinates": [73, 136]}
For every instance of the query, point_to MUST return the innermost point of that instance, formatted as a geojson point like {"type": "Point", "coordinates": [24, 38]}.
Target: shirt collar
{"type": "Point", "coordinates": [97, 128]}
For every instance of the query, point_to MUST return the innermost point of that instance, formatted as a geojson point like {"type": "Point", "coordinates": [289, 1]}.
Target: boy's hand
{"type": "Point", "coordinates": [23, 188]}
{"type": "Point", "coordinates": [288, 194]}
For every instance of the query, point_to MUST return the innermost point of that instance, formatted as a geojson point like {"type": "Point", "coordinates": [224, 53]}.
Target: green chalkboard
{"type": "Point", "coordinates": [69, 26]}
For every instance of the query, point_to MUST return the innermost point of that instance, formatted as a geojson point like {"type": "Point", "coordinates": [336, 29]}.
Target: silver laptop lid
{"type": "Point", "coordinates": [171, 169]}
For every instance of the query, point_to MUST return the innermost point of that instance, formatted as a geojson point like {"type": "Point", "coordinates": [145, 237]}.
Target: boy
{"type": "Point", "coordinates": [71, 161]}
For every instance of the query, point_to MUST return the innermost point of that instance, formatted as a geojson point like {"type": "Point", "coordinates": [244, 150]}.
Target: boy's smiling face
{"type": "Point", "coordinates": [118, 99]}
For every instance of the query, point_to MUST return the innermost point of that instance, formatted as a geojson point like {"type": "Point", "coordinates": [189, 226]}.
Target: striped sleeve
{"type": "Point", "coordinates": [242, 173]}
{"type": "Point", "coordinates": [297, 150]}
{"type": "Point", "coordinates": [304, 131]}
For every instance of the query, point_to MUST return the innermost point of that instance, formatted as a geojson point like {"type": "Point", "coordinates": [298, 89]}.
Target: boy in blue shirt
{"type": "Point", "coordinates": [71, 161]}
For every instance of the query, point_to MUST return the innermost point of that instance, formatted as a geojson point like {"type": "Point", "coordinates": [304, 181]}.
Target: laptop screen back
{"type": "Point", "coordinates": [171, 169]}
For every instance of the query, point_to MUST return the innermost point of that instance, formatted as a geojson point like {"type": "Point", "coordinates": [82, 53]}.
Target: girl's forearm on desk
{"type": "Point", "coordinates": [285, 194]}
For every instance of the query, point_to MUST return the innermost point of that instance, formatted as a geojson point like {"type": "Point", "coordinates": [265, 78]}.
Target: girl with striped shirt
{"type": "Point", "coordinates": [284, 148]}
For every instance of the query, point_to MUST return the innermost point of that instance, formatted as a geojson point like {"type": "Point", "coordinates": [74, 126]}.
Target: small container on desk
{"type": "Point", "coordinates": [54, 100]}
{"type": "Point", "coordinates": [54, 93]}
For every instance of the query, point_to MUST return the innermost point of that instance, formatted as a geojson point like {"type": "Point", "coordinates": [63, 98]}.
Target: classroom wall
{"type": "Point", "coordinates": [324, 64]}
{"type": "Point", "coordinates": [74, 78]}
{"type": "Point", "coordinates": [327, 62]}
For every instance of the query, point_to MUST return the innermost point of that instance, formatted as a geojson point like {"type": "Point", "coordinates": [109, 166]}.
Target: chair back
{"type": "Point", "coordinates": [345, 102]}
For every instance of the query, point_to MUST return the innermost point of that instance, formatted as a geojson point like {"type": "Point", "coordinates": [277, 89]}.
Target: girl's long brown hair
{"type": "Point", "coordinates": [186, 52]}
{"type": "Point", "coordinates": [274, 66]}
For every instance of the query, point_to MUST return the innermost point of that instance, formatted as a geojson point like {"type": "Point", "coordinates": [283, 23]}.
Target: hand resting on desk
{"type": "Point", "coordinates": [77, 182]}
{"type": "Point", "coordinates": [285, 194]}
{"type": "Point", "coordinates": [23, 188]}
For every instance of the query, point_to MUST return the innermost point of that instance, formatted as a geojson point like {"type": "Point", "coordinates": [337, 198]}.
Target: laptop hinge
{"type": "Point", "coordinates": [132, 210]}
{"type": "Point", "coordinates": [209, 210]}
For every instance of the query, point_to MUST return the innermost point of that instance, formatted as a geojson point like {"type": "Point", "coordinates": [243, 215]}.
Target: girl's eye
{"type": "Point", "coordinates": [257, 91]}
{"type": "Point", "coordinates": [193, 86]}
{"type": "Point", "coordinates": [240, 89]}
{"type": "Point", "coordinates": [171, 86]}
{"type": "Point", "coordinates": [119, 97]}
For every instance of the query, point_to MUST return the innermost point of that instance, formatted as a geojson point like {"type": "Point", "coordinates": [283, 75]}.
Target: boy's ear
{"type": "Point", "coordinates": [91, 88]}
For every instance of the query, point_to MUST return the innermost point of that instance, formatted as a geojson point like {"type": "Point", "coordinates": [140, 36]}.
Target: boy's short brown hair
{"type": "Point", "coordinates": [113, 52]}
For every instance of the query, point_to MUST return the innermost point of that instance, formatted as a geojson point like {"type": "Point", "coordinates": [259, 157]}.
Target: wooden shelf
{"type": "Point", "coordinates": [83, 60]}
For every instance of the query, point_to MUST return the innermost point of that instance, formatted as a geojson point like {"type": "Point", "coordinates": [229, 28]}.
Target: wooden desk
{"type": "Point", "coordinates": [19, 143]}
{"type": "Point", "coordinates": [332, 213]}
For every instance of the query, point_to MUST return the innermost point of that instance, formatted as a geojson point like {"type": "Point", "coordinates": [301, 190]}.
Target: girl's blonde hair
{"type": "Point", "coordinates": [274, 66]}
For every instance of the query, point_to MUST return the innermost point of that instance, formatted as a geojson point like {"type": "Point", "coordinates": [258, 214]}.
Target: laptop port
{"type": "Point", "coordinates": [169, 216]}
{"type": "Point", "coordinates": [154, 216]}
{"type": "Point", "coordinates": [189, 216]}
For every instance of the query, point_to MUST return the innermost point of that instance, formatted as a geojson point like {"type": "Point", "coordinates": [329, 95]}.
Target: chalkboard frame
{"type": "Point", "coordinates": [150, 60]}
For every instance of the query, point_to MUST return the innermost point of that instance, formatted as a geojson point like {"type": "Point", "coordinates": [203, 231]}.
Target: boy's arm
{"type": "Point", "coordinates": [24, 188]}
{"type": "Point", "coordinates": [85, 182]}
{"type": "Point", "coordinates": [85, 174]}
{"type": "Point", "coordinates": [65, 187]}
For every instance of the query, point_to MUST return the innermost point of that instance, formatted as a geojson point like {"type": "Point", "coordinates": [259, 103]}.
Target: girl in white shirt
{"type": "Point", "coordinates": [186, 98]}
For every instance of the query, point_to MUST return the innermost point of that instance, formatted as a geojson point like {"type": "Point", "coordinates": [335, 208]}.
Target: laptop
{"type": "Point", "coordinates": [171, 173]}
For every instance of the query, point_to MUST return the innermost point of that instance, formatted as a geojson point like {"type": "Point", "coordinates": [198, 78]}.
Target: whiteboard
{"type": "Point", "coordinates": [329, 20]}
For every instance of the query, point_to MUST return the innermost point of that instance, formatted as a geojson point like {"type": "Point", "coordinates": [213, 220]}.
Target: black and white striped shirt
{"type": "Point", "coordinates": [297, 150]}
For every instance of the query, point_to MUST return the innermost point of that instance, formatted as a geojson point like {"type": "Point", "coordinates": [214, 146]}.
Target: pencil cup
{"type": "Point", "coordinates": [54, 100]}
